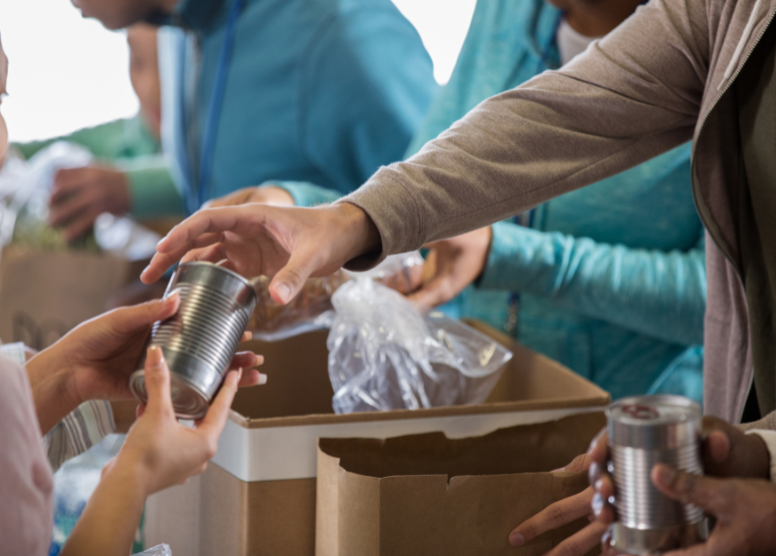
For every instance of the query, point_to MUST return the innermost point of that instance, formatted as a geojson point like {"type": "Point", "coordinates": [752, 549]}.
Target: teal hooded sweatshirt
{"type": "Point", "coordinates": [323, 91]}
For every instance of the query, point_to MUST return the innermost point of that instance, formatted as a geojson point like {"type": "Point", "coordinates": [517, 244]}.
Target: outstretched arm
{"type": "Point", "coordinates": [633, 95]}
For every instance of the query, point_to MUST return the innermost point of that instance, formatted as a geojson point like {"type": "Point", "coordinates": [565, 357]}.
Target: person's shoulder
{"type": "Point", "coordinates": [363, 15]}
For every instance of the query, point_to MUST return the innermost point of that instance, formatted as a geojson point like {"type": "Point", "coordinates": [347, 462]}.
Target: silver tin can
{"type": "Point", "coordinates": [645, 431]}
{"type": "Point", "coordinates": [200, 340]}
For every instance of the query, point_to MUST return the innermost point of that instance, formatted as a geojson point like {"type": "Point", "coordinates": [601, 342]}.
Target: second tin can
{"type": "Point", "coordinates": [645, 431]}
{"type": "Point", "coordinates": [200, 340]}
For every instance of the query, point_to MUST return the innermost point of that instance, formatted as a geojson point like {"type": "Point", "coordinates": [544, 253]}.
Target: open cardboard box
{"type": "Point", "coordinates": [426, 494]}
{"type": "Point", "coordinates": [258, 495]}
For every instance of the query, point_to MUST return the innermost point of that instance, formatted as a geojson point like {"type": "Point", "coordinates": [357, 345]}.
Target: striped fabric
{"type": "Point", "coordinates": [79, 431]}
{"type": "Point", "coordinates": [76, 433]}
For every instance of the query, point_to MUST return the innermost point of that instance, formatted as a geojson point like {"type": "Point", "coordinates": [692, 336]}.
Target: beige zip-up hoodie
{"type": "Point", "coordinates": [656, 82]}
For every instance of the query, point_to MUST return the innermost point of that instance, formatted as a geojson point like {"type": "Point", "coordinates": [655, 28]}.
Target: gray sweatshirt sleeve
{"type": "Point", "coordinates": [631, 96]}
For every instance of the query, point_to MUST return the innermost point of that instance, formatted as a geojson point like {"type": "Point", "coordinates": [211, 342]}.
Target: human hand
{"type": "Point", "coordinates": [726, 452]}
{"type": "Point", "coordinates": [95, 360]}
{"type": "Point", "coordinates": [80, 195]}
{"type": "Point", "coordinates": [160, 452]}
{"type": "Point", "coordinates": [565, 511]}
{"type": "Point", "coordinates": [290, 244]}
{"type": "Point", "coordinates": [459, 261]}
{"type": "Point", "coordinates": [745, 510]}
{"type": "Point", "coordinates": [268, 195]}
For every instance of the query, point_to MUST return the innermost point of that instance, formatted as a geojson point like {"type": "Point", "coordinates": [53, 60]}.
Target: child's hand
{"type": "Point", "coordinates": [160, 452]}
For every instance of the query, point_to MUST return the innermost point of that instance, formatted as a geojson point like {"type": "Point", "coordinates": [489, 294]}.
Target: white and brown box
{"type": "Point", "coordinates": [258, 495]}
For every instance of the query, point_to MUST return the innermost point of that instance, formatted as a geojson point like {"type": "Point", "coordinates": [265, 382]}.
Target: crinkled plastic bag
{"type": "Point", "coordinates": [161, 550]}
{"type": "Point", "coordinates": [25, 188]}
{"type": "Point", "coordinates": [312, 308]}
{"type": "Point", "coordinates": [384, 355]}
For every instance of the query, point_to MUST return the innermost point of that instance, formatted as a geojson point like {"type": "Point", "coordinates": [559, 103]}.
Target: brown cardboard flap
{"type": "Point", "coordinates": [426, 494]}
{"type": "Point", "coordinates": [298, 390]}
{"type": "Point", "coordinates": [45, 294]}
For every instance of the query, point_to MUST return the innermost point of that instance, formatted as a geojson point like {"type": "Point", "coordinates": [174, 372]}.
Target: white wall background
{"type": "Point", "coordinates": [67, 73]}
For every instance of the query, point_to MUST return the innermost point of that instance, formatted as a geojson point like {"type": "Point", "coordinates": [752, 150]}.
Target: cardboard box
{"type": "Point", "coordinates": [257, 497]}
{"type": "Point", "coordinates": [43, 295]}
{"type": "Point", "coordinates": [422, 495]}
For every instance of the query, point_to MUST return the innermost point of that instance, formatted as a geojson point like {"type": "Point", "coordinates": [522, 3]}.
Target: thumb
{"type": "Point", "coordinates": [157, 380]}
{"type": "Point", "coordinates": [704, 492]}
{"type": "Point", "coordinates": [130, 319]}
{"type": "Point", "coordinates": [290, 279]}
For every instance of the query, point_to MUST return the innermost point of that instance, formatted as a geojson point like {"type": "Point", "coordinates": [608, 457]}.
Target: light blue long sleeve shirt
{"type": "Point", "coordinates": [611, 278]}
{"type": "Point", "coordinates": [323, 91]}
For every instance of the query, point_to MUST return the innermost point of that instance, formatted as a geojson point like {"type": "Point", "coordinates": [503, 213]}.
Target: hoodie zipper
{"type": "Point", "coordinates": [728, 81]}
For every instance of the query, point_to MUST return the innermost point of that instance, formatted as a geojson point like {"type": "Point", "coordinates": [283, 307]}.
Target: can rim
{"type": "Point", "coordinates": [239, 277]}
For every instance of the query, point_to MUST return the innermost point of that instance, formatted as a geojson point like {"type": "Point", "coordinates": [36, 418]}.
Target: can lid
{"type": "Point", "coordinates": [654, 422]}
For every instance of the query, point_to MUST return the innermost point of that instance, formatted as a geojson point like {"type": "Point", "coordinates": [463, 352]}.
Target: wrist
{"type": "Point", "coordinates": [361, 227]}
{"type": "Point", "coordinates": [762, 448]}
{"type": "Point", "coordinates": [53, 392]}
{"type": "Point", "coordinates": [131, 469]}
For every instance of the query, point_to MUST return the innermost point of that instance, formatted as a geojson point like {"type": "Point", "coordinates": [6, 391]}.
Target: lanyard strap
{"type": "Point", "coordinates": [201, 189]}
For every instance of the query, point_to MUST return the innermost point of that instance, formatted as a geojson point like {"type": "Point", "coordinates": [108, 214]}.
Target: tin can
{"type": "Point", "coordinates": [645, 431]}
{"type": "Point", "coordinates": [200, 340]}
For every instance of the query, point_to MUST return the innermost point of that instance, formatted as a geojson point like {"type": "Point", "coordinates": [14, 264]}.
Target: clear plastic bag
{"type": "Point", "coordinates": [161, 550]}
{"type": "Point", "coordinates": [312, 308]}
{"type": "Point", "coordinates": [25, 189]}
{"type": "Point", "coordinates": [383, 354]}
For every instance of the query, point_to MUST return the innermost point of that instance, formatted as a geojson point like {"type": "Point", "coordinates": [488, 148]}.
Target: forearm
{"type": "Point", "coordinates": [661, 294]}
{"type": "Point", "coordinates": [51, 389]}
{"type": "Point", "coordinates": [110, 519]}
{"type": "Point", "coordinates": [612, 108]}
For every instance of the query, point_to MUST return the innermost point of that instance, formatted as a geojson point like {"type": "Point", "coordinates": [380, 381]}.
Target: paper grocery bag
{"type": "Point", "coordinates": [426, 495]}
{"type": "Point", "coordinates": [44, 294]}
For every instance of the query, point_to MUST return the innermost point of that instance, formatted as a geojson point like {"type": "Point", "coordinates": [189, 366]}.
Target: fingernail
{"type": "Point", "coordinates": [597, 504]}
{"type": "Point", "coordinates": [239, 373]}
{"type": "Point", "coordinates": [516, 539]}
{"type": "Point", "coordinates": [154, 356]}
{"type": "Point", "coordinates": [284, 291]}
{"type": "Point", "coordinates": [262, 379]}
{"type": "Point", "coordinates": [176, 293]}
{"type": "Point", "coordinates": [558, 470]}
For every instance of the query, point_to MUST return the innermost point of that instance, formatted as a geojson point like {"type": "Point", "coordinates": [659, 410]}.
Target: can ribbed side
{"type": "Point", "coordinates": [207, 326]}
{"type": "Point", "coordinates": [639, 504]}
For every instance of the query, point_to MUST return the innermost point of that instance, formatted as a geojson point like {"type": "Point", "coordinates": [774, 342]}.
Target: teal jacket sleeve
{"type": "Point", "coordinates": [366, 83]}
{"type": "Point", "coordinates": [152, 190]}
{"type": "Point", "coordinates": [99, 140]}
{"type": "Point", "coordinates": [306, 194]}
{"type": "Point", "coordinates": [661, 294]}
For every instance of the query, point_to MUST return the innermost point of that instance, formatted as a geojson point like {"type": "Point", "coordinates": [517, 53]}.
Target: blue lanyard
{"type": "Point", "coordinates": [200, 191]}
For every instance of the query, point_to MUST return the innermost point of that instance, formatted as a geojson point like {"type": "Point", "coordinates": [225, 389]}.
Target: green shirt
{"type": "Point", "coordinates": [130, 146]}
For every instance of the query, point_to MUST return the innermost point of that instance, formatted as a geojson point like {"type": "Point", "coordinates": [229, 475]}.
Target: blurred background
{"type": "Point", "coordinates": [70, 73]}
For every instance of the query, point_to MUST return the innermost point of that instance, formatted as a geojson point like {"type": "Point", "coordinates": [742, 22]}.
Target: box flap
{"type": "Point", "coordinates": [298, 390]}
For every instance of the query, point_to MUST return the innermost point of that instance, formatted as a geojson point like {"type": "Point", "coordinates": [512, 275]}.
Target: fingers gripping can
{"type": "Point", "coordinates": [200, 340]}
{"type": "Point", "coordinates": [645, 431]}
